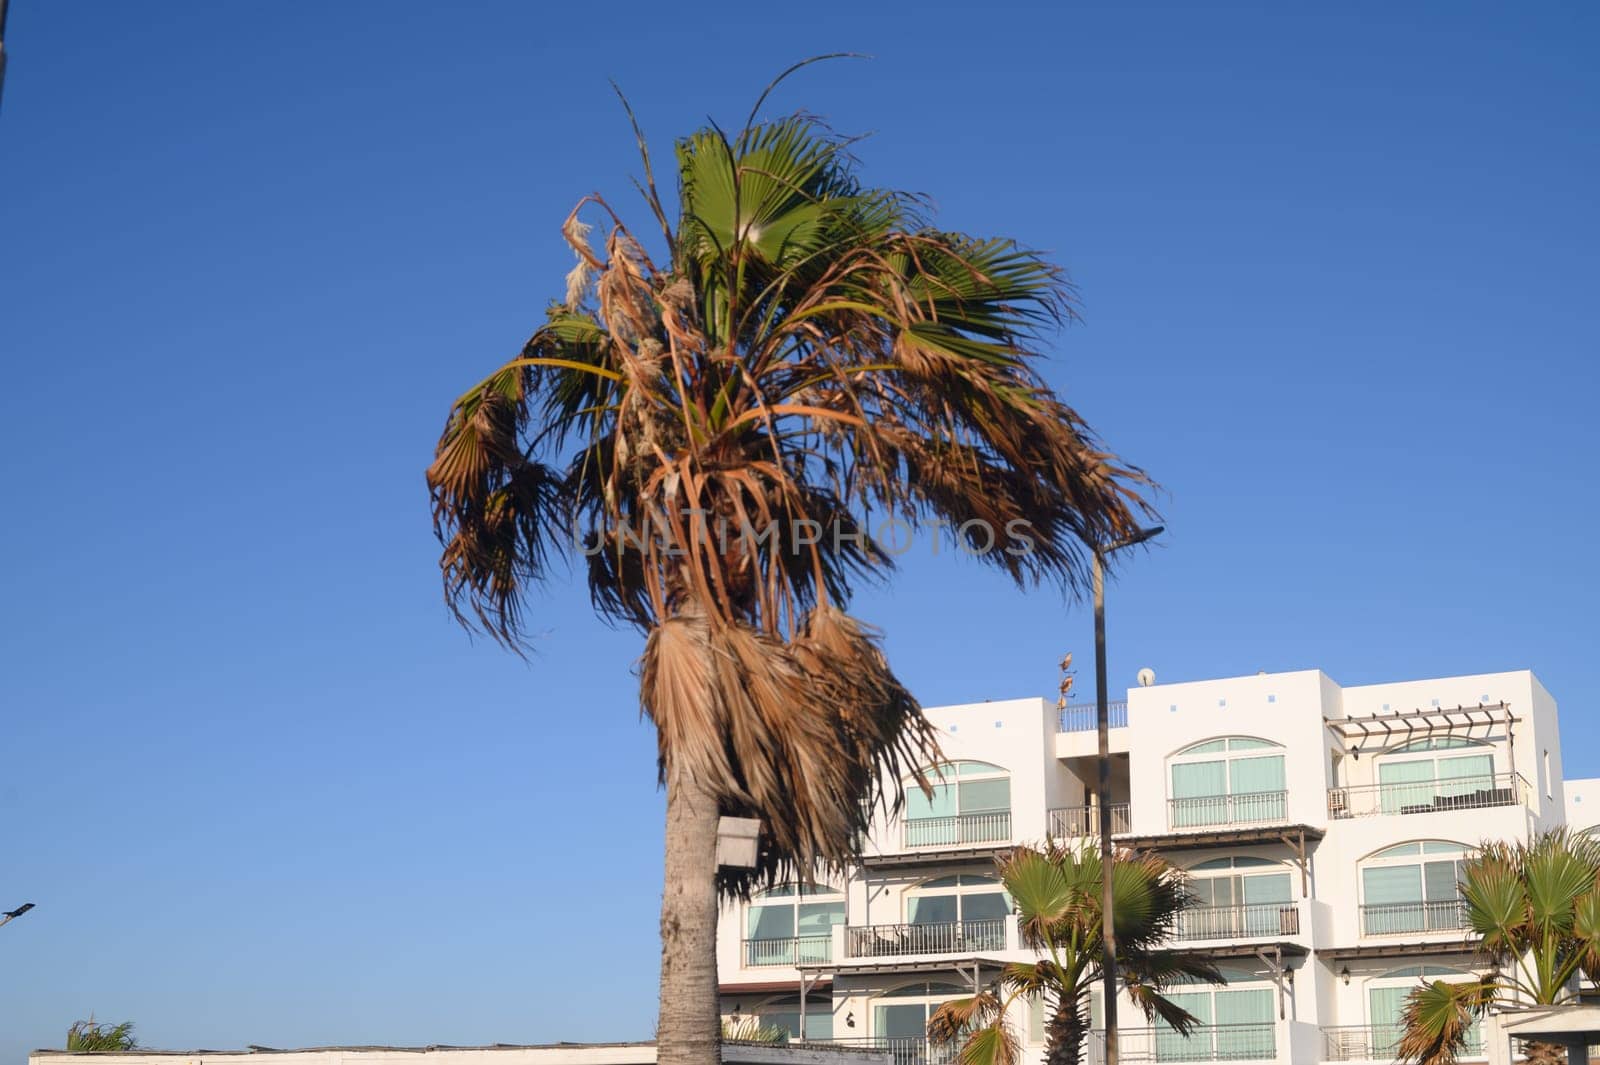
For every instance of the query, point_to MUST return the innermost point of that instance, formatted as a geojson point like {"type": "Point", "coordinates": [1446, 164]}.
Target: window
{"type": "Point", "coordinates": [1242, 896]}
{"type": "Point", "coordinates": [906, 1017]}
{"type": "Point", "coordinates": [1238, 1022]}
{"type": "Point", "coordinates": [784, 1013]}
{"type": "Point", "coordinates": [977, 903]}
{"type": "Point", "coordinates": [1386, 1001]}
{"type": "Point", "coordinates": [971, 803]}
{"type": "Point", "coordinates": [1230, 780]}
{"type": "Point", "coordinates": [1413, 887]}
{"type": "Point", "coordinates": [793, 924]}
{"type": "Point", "coordinates": [1420, 777]}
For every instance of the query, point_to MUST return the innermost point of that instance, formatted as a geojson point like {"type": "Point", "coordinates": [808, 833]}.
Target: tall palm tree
{"type": "Point", "coordinates": [717, 427]}
{"type": "Point", "coordinates": [1536, 910]}
{"type": "Point", "coordinates": [1057, 894]}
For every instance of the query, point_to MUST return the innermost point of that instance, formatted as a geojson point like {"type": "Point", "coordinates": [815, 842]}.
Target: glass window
{"type": "Point", "coordinates": [1238, 1023]}
{"type": "Point", "coordinates": [970, 803]}
{"type": "Point", "coordinates": [1243, 789]}
{"type": "Point", "coordinates": [1413, 887]}
{"type": "Point", "coordinates": [907, 1017]}
{"type": "Point", "coordinates": [786, 925]}
{"type": "Point", "coordinates": [1420, 780]}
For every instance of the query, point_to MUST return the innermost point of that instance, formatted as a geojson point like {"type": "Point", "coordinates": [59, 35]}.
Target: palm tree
{"type": "Point", "coordinates": [90, 1037]}
{"type": "Point", "coordinates": [1057, 894]}
{"type": "Point", "coordinates": [1536, 910]}
{"type": "Point", "coordinates": [717, 428]}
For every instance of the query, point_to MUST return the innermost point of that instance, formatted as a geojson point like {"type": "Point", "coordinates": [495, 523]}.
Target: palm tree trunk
{"type": "Point", "coordinates": [1064, 1034]}
{"type": "Point", "coordinates": [689, 1031]}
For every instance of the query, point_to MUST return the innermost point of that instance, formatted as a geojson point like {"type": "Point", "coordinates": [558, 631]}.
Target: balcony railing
{"type": "Point", "coordinates": [954, 937]}
{"type": "Point", "coordinates": [1253, 921]}
{"type": "Point", "coordinates": [905, 1050]}
{"type": "Point", "coordinates": [1214, 1042]}
{"type": "Point", "coordinates": [1397, 918]}
{"type": "Point", "coordinates": [958, 830]}
{"type": "Point", "coordinates": [1082, 717]}
{"type": "Point", "coordinates": [1378, 1042]}
{"type": "Point", "coordinates": [1241, 808]}
{"type": "Point", "coordinates": [1427, 796]}
{"type": "Point", "coordinates": [795, 950]}
{"type": "Point", "coordinates": [1068, 821]}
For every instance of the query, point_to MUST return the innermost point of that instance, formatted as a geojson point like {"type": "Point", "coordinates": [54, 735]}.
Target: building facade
{"type": "Point", "coordinates": [1321, 828]}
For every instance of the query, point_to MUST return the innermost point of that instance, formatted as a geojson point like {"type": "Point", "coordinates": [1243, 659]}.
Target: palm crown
{"type": "Point", "coordinates": [1535, 908]}
{"type": "Point", "coordinates": [719, 431]}
{"type": "Point", "coordinates": [1057, 892]}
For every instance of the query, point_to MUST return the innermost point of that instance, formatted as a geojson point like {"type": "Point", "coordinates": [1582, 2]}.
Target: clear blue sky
{"type": "Point", "coordinates": [1338, 268]}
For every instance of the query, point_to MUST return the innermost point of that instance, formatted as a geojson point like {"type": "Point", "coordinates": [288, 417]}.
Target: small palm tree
{"type": "Point", "coordinates": [89, 1037]}
{"type": "Point", "coordinates": [719, 430]}
{"type": "Point", "coordinates": [1536, 910]}
{"type": "Point", "coordinates": [1057, 894]}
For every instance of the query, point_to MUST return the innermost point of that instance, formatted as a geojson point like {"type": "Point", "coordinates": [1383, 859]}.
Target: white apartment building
{"type": "Point", "coordinates": [1320, 827]}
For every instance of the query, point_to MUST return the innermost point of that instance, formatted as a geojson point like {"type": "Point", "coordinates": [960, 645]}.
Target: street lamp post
{"type": "Point", "coordinates": [1102, 728]}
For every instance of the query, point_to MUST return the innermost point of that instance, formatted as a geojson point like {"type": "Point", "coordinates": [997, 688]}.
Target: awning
{"type": "Point", "coordinates": [1381, 731]}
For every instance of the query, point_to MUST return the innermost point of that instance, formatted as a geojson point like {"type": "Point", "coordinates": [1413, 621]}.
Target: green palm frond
{"type": "Point", "coordinates": [91, 1037]}
{"type": "Point", "coordinates": [1438, 1017]}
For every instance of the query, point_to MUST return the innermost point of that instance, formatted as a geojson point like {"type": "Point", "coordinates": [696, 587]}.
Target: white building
{"type": "Point", "coordinates": [1320, 827]}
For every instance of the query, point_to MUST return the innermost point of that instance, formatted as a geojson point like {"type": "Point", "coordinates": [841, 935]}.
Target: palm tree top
{"type": "Point", "coordinates": [810, 349]}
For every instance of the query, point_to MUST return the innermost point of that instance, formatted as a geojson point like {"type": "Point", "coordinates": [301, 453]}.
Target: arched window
{"type": "Point", "coordinates": [1230, 780]}
{"type": "Point", "coordinates": [784, 1013]}
{"type": "Point", "coordinates": [1240, 896]}
{"type": "Point", "coordinates": [1237, 1021]}
{"type": "Point", "coordinates": [1413, 887]}
{"type": "Point", "coordinates": [792, 924]}
{"type": "Point", "coordinates": [906, 1016]}
{"type": "Point", "coordinates": [1440, 772]}
{"type": "Point", "coordinates": [1386, 1003]}
{"type": "Point", "coordinates": [968, 910]}
{"type": "Point", "coordinates": [971, 803]}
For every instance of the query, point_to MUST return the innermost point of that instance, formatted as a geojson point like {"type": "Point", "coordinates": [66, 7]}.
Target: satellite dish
{"type": "Point", "coordinates": [1147, 677]}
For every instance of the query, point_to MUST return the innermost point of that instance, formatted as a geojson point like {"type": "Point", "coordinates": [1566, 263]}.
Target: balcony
{"type": "Point", "coordinates": [1402, 918]}
{"type": "Point", "coordinates": [1241, 808]}
{"type": "Point", "coordinates": [1215, 1042]}
{"type": "Point", "coordinates": [1378, 1042]}
{"type": "Point", "coordinates": [1427, 796]}
{"type": "Point", "coordinates": [1265, 920]}
{"type": "Point", "coordinates": [1069, 821]}
{"type": "Point", "coordinates": [1082, 717]}
{"type": "Point", "coordinates": [795, 950]}
{"type": "Point", "coordinates": [900, 940]}
{"type": "Point", "coordinates": [958, 830]}
{"type": "Point", "coordinates": [905, 1050]}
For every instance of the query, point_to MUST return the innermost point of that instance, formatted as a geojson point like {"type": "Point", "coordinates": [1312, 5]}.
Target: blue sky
{"type": "Point", "coordinates": [1337, 267]}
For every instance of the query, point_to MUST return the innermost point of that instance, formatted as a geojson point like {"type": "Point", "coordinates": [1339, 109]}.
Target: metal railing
{"type": "Point", "coordinates": [958, 830]}
{"type": "Point", "coordinates": [1427, 796]}
{"type": "Point", "coordinates": [1396, 918]}
{"type": "Point", "coordinates": [794, 950]}
{"type": "Point", "coordinates": [1212, 1042]}
{"type": "Point", "coordinates": [1240, 808]}
{"type": "Point", "coordinates": [954, 937]}
{"type": "Point", "coordinates": [1082, 717]}
{"type": "Point", "coordinates": [1378, 1042]}
{"type": "Point", "coordinates": [1067, 821]}
{"type": "Point", "coordinates": [1253, 921]}
{"type": "Point", "coordinates": [905, 1050]}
